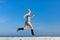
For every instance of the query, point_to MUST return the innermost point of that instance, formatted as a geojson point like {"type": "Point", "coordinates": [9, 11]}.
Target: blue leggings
{"type": "Point", "coordinates": [26, 22]}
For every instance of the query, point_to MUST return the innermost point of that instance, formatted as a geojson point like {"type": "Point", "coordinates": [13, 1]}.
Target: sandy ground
{"type": "Point", "coordinates": [29, 38]}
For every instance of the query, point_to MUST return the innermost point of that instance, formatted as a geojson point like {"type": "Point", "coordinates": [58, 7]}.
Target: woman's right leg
{"type": "Point", "coordinates": [25, 27]}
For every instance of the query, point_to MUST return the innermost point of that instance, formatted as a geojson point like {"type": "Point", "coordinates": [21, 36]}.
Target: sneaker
{"type": "Point", "coordinates": [18, 29]}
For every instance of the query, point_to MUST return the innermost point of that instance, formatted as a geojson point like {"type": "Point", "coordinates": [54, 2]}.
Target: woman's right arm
{"type": "Point", "coordinates": [25, 15]}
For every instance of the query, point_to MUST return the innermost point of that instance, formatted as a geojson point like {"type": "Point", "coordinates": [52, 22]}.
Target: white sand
{"type": "Point", "coordinates": [29, 38]}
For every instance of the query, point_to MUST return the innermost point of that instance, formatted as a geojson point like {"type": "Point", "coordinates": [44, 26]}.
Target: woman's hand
{"type": "Point", "coordinates": [32, 16]}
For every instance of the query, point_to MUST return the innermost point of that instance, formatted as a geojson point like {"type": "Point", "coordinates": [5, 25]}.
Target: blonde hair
{"type": "Point", "coordinates": [29, 10]}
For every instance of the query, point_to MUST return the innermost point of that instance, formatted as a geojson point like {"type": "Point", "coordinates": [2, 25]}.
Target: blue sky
{"type": "Point", "coordinates": [45, 22]}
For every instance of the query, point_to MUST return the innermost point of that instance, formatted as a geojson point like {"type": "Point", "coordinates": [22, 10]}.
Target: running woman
{"type": "Point", "coordinates": [27, 22]}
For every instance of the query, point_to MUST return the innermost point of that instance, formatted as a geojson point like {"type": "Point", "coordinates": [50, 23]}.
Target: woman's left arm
{"type": "Point", "coordinates": [32, 16]}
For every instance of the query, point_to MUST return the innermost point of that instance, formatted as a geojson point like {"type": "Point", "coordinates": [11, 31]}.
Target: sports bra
{"type": "Point", "coordinates": [28, 16]}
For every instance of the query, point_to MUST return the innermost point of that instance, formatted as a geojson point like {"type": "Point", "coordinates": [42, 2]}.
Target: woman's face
{"type": "Point", "coordinates": [28, 11]}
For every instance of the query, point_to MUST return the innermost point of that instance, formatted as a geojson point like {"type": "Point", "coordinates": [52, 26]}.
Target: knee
{"type": "Point", "coordinates": [25, 28]}
{"type": "Point", "coordinates": [31, 27]}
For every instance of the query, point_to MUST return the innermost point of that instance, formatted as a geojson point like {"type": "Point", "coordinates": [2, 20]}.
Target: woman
{"type": "Point", "coordinates": [27, 22]}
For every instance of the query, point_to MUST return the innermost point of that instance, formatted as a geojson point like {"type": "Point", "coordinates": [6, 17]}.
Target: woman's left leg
{"type": "Point", "coordinates": [31, 28]}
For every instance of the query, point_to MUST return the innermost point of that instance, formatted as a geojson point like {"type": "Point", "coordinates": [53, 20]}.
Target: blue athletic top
{"type": "Point", "coordinates": [27, 18]}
